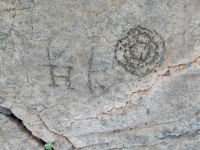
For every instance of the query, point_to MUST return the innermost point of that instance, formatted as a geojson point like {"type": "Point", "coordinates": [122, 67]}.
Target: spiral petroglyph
{"type": "Point", "coordinates": [140, 52]}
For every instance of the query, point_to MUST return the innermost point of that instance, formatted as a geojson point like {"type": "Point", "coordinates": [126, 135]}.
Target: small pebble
{"type": "Point", "coordinates": [188, 64]}
{"type": "Point", "coordinates": [118, 131]}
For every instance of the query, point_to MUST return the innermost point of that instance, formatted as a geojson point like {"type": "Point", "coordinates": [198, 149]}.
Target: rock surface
{"type": "Point", "coordinates": [14, 136]}
{"type": "Point", "coordinates": [66, 74]}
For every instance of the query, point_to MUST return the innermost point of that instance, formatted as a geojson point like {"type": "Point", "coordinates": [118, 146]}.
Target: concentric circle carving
{"type": "Point", "coordinates": [140, 52]}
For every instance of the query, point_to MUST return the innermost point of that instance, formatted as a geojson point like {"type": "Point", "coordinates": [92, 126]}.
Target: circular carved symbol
{"type": "Point", "coordinates": [140, 52]}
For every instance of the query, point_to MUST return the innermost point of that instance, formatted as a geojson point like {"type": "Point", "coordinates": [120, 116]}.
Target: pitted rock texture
{"type": "Point", "coordinates": [60, 75]}
{"type": "Point", "coordinates": [140, 52]}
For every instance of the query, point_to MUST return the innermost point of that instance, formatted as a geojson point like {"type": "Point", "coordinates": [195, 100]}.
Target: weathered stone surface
{"type": "Point", "coordinates": [61, 72]}
{"type": "Point", "coordinates": [5, 111]}
{"type": "Point", "coordinates": [14, 136]}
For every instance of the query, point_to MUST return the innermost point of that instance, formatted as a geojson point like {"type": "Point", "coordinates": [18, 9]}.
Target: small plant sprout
{"type": "Point", "coordinates": [48, 146]}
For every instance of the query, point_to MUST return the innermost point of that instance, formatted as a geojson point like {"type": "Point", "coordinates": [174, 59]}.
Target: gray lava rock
{"type": "Point", "coordinates": [93, 74]}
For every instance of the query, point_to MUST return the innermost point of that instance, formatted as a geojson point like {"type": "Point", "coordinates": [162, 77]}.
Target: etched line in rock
{"type": "Point", "coordinates": [90, 63]}
{"type": "Point", "coordinates": [66, 77]}
{"type": "Point", "coordinates": [52, 74]}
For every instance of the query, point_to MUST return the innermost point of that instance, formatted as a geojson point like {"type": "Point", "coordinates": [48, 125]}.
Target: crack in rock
{"type": "Point", "coordinates": [20, 125]}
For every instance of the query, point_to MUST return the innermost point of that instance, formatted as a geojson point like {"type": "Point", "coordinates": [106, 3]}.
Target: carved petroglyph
{"type": "Point", "coordinates": [140, 52]}
{"type": "Point", "coordinates": [53, 76]}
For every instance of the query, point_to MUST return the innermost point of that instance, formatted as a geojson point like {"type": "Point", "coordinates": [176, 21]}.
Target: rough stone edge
{"type": "Point", "coordinates": [8, 113]}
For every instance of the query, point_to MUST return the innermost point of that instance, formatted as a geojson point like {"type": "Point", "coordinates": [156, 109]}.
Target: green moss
{"type": "Point", "coordinates": [48, 146]}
